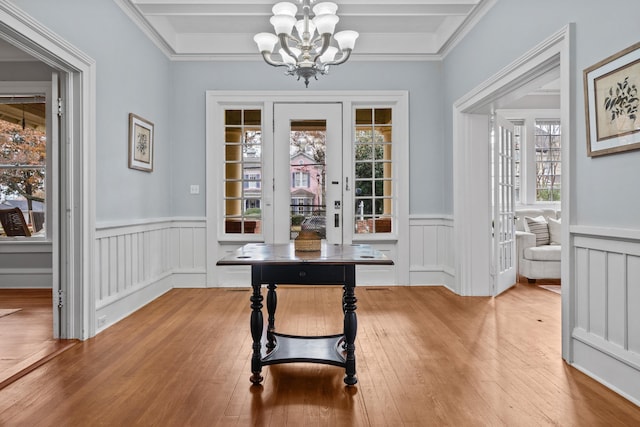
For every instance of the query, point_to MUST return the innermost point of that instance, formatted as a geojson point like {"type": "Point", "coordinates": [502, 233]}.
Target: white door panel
{"type": "Point", "coordinates": [503, 205]}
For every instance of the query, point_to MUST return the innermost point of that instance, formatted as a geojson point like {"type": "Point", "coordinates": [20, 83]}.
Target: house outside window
{"type": "Point", "coordinates": [300, 180]}
{"type": "Point", "coordinates": [251, 180]}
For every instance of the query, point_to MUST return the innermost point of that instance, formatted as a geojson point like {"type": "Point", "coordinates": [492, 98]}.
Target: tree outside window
{"type": "Point", "coordinates": [548, 165]}
{"type": "Point", "coordinates": [537, 137]}
{"type": "Point", "coordinates": [23, 153]}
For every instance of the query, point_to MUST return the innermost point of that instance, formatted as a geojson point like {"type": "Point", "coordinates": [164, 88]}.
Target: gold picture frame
{"type": "Point", "coordinates": [140, 143]}
{"type": "Point", "coordinates": [612, 103]}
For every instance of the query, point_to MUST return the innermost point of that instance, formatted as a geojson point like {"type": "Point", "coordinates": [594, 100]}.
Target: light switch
{"type": "Point", "coordinates": [195, 189]}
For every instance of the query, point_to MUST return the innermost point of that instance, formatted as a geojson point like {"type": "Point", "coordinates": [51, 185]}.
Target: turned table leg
{"type": "Point", "coordinates": [350, 327]}
{"type": "Point", "coordinates": [272, 304]}
{"type": "Point", "coordinates": [256, 330]}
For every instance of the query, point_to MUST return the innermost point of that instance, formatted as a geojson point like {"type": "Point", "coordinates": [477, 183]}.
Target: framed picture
{"type": "Point", "coordinates": [611, 103]}
{"type": "Point", "coordinates": [140, 143]}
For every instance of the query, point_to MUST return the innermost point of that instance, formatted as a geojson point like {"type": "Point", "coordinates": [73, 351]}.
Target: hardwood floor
{"type": "Point", "coordinates": [26, 336]}
{"type": "Point", "coordinates": [425, 357]}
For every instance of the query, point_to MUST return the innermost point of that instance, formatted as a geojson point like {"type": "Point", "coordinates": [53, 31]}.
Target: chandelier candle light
{"type": "Point", "coordinates": [308, 53]}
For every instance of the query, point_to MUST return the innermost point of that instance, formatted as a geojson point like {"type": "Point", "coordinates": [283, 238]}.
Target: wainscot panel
{"type": "Point", "coordinates": [606, 334]}
{"type": "Point", "coordinates": [136, 263]}
{"type": "Point", "coordinates": [431, 250]}
{"type": "Point", "coordinates": [25, 264]}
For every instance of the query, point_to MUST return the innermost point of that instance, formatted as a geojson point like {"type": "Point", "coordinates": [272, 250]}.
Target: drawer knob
{"type": "Point", "coordinates": [303, 273]}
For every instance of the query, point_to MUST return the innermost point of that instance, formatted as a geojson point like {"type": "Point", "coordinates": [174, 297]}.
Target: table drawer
{"type": "Point", "coordinates": [305, 274]}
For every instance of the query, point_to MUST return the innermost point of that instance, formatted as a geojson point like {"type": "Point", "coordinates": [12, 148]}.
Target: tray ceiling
{"type": "Point", "coordinates": [224, 29]}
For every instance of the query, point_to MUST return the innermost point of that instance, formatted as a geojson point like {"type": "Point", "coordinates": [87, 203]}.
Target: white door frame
{"type": "Point", "coordinates": [471, 230]}
{"type": "Point", "coordinates": [349, 99]}
{"type": "Point", "coordinates": [73, 248]}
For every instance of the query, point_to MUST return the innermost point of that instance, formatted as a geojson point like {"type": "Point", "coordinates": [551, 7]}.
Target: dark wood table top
{"type": "Point", "coordinates": [285, 254]}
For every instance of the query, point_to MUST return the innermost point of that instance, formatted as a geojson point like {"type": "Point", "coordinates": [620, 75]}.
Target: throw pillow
{"type": "Point", "coordinates": [555, 231]}
{"type": "Point", "coordinates": [539, 227]}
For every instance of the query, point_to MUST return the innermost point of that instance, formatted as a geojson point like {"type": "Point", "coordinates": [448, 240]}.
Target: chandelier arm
{"type": "Point", "coordinates": [266, 55]}
{"type": "Point", "coordinates": [285, 46]}
{"type": "Point", "coordinates": [326, 42]}
{"type": "Point", "coordinates": [345, 56]}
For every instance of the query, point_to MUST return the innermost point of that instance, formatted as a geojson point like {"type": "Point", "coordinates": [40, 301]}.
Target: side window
{"type": "Point", "coordinates": [373, 170]}
{"type": "Point", "coordinates": [548, 162]}
{"type": "Point", "coordinates": [243, 171]}
{"type": "Point", "coordinates": [23, 156]}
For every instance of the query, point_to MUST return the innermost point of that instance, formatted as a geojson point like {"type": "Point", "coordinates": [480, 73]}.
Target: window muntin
{"type": "Point", "coordinates": [23, 157]}
{"type": "Point", "coordinates": [243, 171]}
{"type": "Point", "coordinates": [373, 170]}
{"type": "Point", "coordinates": [547, 136]}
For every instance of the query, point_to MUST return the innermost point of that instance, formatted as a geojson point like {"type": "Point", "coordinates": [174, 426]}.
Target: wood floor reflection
{"type": "Point", "coordinates": [26, 336]}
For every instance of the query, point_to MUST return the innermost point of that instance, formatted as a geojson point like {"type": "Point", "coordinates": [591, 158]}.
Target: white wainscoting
{"type": "Point", "coordinates": [606, 296]}
{"type": "Point", "coordinates": [431, 251]}
{"type": "Point", "coordinates": [136, 263]}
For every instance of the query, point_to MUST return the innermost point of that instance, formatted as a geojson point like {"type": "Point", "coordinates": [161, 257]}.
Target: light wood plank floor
{"type": "Point", "coordinates": [425, 357]}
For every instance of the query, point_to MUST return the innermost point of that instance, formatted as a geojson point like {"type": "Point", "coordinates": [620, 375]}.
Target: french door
{"type": "Point", "coordinates": [503, 209]}
{"type": "Point", "coordinates": [307, 171]}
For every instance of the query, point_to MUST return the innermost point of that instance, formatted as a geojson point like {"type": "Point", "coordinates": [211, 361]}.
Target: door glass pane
{"type": "Point", "coordinates": [243, 172]}
{"type": "Point", "coordinates": [307, 153]}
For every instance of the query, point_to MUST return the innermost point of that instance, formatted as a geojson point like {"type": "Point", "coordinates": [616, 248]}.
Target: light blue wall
{"type": "Point", "coordinates": [27, 71]}
{"type": "Point", "coordinates": [513, 27]}
{"type": "Point", "coordinates": [132, 76]}
{"type": "Point", "coordinates": [421, 79]}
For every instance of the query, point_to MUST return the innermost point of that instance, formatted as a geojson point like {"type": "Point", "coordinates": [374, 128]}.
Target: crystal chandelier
{"type": "Point", "coordinates": [307, 53]}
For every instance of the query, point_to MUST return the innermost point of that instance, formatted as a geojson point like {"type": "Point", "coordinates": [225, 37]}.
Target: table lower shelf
{"type": "Point", "coordinates": [292, 348]}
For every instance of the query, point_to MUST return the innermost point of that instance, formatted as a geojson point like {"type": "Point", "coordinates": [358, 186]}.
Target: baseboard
{"type": "Point", "coordinates": [26, 278]}
{"type": "Point", "coordinates": [110, 312]}
{"type": "Point", "coordinates": [435, 277]}
{"type": "Point", "coordinates": [189, 279]}
{"type": "Point", "coordinates": [611, 371]}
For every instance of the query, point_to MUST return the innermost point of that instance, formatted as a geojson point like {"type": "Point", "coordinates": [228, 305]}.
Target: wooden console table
{"type": "Point", "coordinates": [281, 264]}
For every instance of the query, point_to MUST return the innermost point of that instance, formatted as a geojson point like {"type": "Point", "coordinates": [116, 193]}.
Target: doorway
{"type": "Point", "coordinates": [548, 61]}
{"type": "Point", "coordinates": [72, 212]}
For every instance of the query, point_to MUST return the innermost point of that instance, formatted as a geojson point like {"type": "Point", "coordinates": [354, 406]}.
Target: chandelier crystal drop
{"type": "Point", "coordinates": [310, 48]}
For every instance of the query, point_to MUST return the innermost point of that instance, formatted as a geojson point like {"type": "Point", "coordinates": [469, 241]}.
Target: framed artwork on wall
{"type": "Point", "coordinates": [140, 143]}
{"type": "Point", "coordinates": [611, 103]}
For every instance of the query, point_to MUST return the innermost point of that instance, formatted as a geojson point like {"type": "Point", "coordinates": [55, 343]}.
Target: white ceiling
{"type": "Point", "coordinates": [224, 29]}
